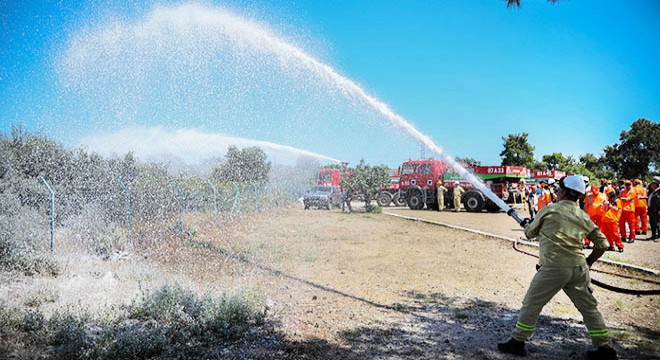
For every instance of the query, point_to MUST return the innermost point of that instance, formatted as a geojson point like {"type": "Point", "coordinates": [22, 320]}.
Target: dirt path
{"type": "Point", "coordinates": [372, 286]}
{"type": "Point", "coordinates": [643, 252]}
{"type": "Point", "coordinates": [358, 286]}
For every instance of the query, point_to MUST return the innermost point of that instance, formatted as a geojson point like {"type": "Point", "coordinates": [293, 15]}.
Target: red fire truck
{"type": "Point", "coordinates": [329, 177]}
{"type": "Point", "coordinates": [418, 184]}
{"type": "Point", "coordinates": [390, 193]}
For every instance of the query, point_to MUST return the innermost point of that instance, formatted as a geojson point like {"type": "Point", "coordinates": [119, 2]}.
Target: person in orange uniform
{"type": "Point", "coordinates": [609, 222]}
{"type": "Point", "coordinates": [593, 206]}
{"type": "Point", "coordinates": [641, 214]}
{"type": "Point", "coordinates": [627, 197]}
{"type": "Point", "coordinates": [545, 197]}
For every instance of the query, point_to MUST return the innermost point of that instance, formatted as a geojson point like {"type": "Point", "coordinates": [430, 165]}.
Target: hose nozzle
{"type": "Point", "coordinates": [521, 221]}
{"type": "Point", "coordinates": [514, 215]}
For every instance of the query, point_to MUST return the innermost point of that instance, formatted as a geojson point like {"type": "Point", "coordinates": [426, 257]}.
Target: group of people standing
{"type": "Point", "coordinates": [622, 211]}
{"type": "Point", "coordinates": [457, 192]}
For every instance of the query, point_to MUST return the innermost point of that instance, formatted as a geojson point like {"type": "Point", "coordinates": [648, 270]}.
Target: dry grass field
{"type": "Point", "coordinates": [339, 285]}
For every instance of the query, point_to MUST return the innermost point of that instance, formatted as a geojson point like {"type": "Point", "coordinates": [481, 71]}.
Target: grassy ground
{"type": "Point", "coordinates": [303, 284]}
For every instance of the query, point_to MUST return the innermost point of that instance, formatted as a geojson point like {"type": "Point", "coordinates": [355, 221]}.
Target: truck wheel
{"type": "Point", "coordinates": [415, 201]}
{"type": "Point", "coordinates": [384, 199]}
{"type": "Point", "coordinates": [474, 201]}
{"type": "Point", "coordinates": [398, 201]}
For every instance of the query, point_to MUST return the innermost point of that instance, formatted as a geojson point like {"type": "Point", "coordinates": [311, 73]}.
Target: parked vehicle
{"type": "Point", "coordinates": [390, 194]}
{"type": "Point", "coordinates": [324, 197]}
{"type": "Point", "coordinates": [418, 184]}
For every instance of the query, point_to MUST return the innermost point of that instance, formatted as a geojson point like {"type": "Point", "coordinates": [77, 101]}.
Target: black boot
{"type": "Point", "coordinates": [602, 353]}
{"type": "Point", "coordinates": [513, 346]}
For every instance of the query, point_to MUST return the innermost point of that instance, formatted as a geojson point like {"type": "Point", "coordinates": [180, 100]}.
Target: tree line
{"type": "Point", "coordinates": [635, 155]}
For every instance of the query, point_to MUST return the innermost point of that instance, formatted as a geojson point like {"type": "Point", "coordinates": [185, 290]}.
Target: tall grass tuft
{"type": "Point", "coordinates": [23, 246]}
{"type": "Point", "coordinates": [171, 322]}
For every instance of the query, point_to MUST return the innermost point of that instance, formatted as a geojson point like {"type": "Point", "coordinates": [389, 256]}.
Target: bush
{"type": "Point", "coordinates": [172, 322]}
{"type": "Point", "coordinates": [374, 209]}
{"type": "Point", "coordinates": [23, 239]}
{"type": "Point", "coordinates": [91, 230]}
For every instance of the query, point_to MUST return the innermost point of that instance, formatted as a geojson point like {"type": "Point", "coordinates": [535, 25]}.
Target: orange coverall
{"type": "Point", "coordinates": [544, 199]}
{"type": "Point", "coordinates": [609, 223]}
{"type": "Point", "coordinates": [641, 214]}
{"type": "Point", "coordinates": [627, 197]}
{"type": "Point", "coordinates": [593, 206]}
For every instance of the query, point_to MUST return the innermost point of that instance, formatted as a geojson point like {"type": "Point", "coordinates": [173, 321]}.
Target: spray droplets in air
{"type": "Point", "coordinates": [206, 63]}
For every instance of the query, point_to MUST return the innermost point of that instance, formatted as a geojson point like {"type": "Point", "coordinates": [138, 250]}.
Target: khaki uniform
{"type": "Point", "coordinates": [458, 192]}
{"type": "Point", "coordinates": [560, 229]}
{"type": "Point", "coordinates": [441, 196]}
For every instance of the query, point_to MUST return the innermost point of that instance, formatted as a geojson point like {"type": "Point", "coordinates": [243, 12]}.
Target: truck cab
{"type": "Point", "coordinates": [418, 182]}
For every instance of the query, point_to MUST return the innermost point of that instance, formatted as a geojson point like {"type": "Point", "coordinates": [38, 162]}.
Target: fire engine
{"type": "Point", "coordinates": [419, 178]}
{"type": "Point", "coordinates": [390, 193]}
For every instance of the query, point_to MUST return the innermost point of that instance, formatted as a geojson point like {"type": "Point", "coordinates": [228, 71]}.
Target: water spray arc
{"type": "Point", "coordinates": [216, 25]}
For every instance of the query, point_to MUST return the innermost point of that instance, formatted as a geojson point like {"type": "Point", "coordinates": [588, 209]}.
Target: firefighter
{"type": "Point", "coordinates": [441, 190]}
{"type": "Point", "coordinates": [545, 198]}
{"type": "Point", "coordinates": [522, 190]}
{"type": "Point", "coordinates": [654, 208]}
{"type": "Point", "coordinates": [562, 266]}
{"type": "Point", "coordinates": [627, 196]}
{"type": "Point", "coordinates": [346, 199]}
{"type": "Point", "coordinates": [593, 206]}
{"type": "Point", "coordinates": [641, 213]}
{"type": "Point", "coordinates": [609, 223]}
{"type": "Point", "coordinates": [458, 193]}
{"type": "Point", "coordinates": [531, 201]}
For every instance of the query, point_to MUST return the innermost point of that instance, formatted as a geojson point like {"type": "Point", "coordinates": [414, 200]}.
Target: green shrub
{"type": "Point", "coordinates": [374, 209]}
{"type": "Point", "coordinates": [23, 239]}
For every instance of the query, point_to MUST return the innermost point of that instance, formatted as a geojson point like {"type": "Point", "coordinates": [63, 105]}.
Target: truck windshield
{"type": "Point", "coordinates": [408, 169]}
{"type": "Point", "coordinates": [325, 177]}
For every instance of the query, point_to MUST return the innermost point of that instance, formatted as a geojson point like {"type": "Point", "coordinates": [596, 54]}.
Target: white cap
{"type": "Point", "coordinates": [574, 182]}
{"type": "Point", "coordinates": [585, 178]}
{"type": "Point", "coordinates": [551, 181]}
{"type": "Point", "coordinates": [455, 182]}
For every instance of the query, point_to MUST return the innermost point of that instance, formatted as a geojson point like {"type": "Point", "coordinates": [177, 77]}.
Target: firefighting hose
{"type": "Point", "coordinates": [511, 212]}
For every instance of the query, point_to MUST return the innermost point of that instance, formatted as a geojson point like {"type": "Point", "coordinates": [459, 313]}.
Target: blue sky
{"type": "Point", "coordinates": [573, 75]}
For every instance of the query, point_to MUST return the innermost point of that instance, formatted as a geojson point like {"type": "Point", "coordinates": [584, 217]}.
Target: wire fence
{"type": "Point", "coordinates": [140, 212]}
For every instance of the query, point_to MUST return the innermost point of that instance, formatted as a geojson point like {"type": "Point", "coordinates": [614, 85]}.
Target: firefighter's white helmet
{"type": "Point", "coordinates": [574, 182]}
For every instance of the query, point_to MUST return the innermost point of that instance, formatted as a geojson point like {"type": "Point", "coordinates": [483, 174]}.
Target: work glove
{"type": "Point", "coordinates": [526, 222]}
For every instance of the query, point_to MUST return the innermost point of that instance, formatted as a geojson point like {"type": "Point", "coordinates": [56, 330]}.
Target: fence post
{"type": "Point", "coordinates": [129, 212]}
{"type": "Point", "coordinates": [179, 198]}
{"type": "Point", "coordinates": [256, 197]}
{"type": "Point", "coordinates": [237, 201]}
{"type": "Point", "coordinates": [52, 214]}
{"type": "Point", "coordinates": [215, 201]}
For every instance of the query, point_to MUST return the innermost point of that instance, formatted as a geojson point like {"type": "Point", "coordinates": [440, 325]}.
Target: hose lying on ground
{"type": "Point", "coordinates": [607, 286]}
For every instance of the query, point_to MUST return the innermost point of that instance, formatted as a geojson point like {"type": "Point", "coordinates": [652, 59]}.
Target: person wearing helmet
{"type": "Point", "coordinates": [441, 190]}
{"type": "Point", "coordinates": [641, 214]}
{"type": "Point", "coordinates": [628, 196]}
{"type": "Point", "coordinates": [609, 222]}
{"type": "Point", "coordinates": [458, 193]}
{"type": "Point", "coordinates": [545, 197]}
{"type": "Point", "coordinates": [593, 206]}
{"type": "Point", "coordinates": [559, 230]}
